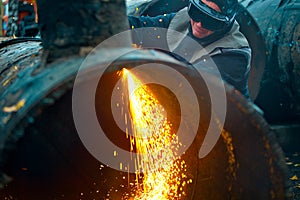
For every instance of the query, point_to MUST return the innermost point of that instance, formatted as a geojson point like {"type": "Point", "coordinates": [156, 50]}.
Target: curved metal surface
{"type": "Point", "coordinates": [41, 151]}
{"type": "Point", "coordinates": [279, 96]}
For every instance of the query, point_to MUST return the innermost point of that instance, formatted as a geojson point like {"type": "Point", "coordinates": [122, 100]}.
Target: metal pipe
{"type": "Point", "coordinates": [279, 96]}
{"type": "Point", "coordinates": [43, 157]}
{"type": "Point", "coordinates": [78, 26]}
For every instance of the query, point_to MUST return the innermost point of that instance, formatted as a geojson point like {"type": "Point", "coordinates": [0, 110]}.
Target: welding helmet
{"type": "Point", "coordinates": [211, 19]}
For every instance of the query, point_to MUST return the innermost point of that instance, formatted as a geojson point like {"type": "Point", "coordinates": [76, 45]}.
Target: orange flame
{"type": "Point", "coordinates": [162, 170]}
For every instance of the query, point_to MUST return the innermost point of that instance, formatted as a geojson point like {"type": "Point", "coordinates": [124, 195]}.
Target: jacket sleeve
{"type": "Point", "coordinates": [143, 35]}
{"type": "Point", "coordinates": [234, 67]}
{"type": "Point", "coordinates": [162, 21]}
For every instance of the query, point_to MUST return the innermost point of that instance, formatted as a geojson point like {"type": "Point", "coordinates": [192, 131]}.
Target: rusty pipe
{"type": "Point", "coordinates": [43, 155]}
{"type": "Point", "coordinates": [78, 26]}
{"type": "Point", "coordinates": [280, 27]}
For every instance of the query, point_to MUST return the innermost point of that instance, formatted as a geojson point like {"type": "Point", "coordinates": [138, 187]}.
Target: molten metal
{"type": "Point", "coordinates": [160, 172]}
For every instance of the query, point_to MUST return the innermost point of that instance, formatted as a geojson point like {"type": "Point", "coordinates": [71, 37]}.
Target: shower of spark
{"type": "Point", "coordinates": [160, 172]}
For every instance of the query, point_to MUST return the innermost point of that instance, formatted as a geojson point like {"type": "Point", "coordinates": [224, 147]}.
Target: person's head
{"type": "Point", "coordinates": [209, 16]}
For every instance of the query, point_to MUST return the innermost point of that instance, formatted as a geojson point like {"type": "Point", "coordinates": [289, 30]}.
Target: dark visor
{"type": "Point", "coordinates": [210, 19]}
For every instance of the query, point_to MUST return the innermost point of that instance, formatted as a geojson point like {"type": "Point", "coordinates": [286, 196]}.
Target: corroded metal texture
{"type": "Point", "coordinates": [86, 25]}
{"type": "Point", "coordinates": [12, 26]}
{"type": "Point", "coordinates": [280, 89]}
{"type": "Point", "coordinates": [42, 156]}
{"type": "Point", "coordinates": [17, 57]}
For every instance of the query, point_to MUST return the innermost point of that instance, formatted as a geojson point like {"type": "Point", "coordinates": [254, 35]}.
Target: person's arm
{"type": "Point", "coordinates": [162, 21]}
{"type": "Point", "coordinates": [234, 67]}
{"type": "Point", "coordinates": [143, 35]}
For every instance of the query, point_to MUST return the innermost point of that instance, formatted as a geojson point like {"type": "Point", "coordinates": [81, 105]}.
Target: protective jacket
{"type": "Point", "coordinates": [229, 51]}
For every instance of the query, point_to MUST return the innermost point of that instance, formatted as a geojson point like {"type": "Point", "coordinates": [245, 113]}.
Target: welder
{"type": "Point", "coordinates": [212, 24]}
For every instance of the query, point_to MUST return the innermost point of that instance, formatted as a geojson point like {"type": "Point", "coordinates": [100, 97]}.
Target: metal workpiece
{"type": "Point", "coordinates": [46, 146]}
{"type": "Point", "coordinates": [279, 95]}
{"type": "Point", "coordinates": [86, 25]}
{"type": "Point", "coordinates": [42, 155]}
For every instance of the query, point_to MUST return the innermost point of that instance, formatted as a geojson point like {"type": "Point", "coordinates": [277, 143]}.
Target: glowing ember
{"type": "Point", "coordinates": [162, 170]}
